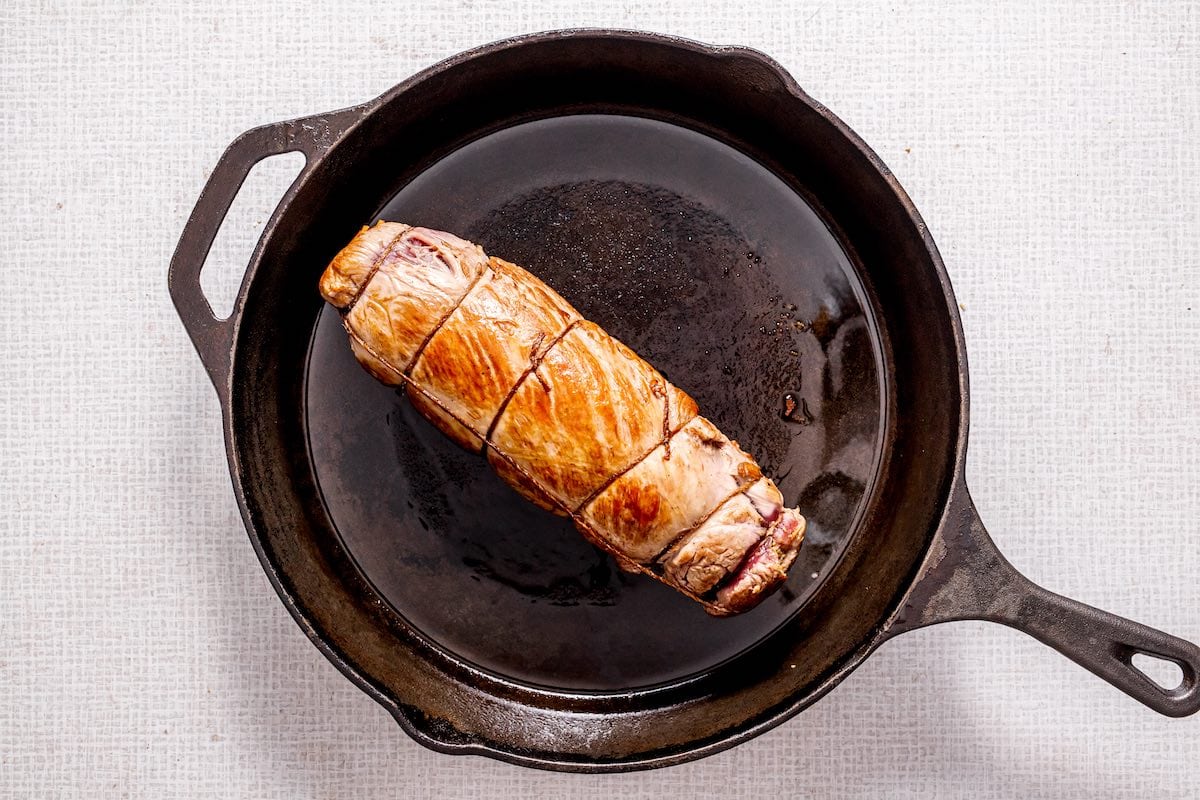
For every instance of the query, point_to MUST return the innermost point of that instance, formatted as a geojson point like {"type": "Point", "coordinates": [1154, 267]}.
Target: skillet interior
{"type": "Point", "coordinates": [446, 700]}
{"type": "Point", "coordinates": [706, 264]}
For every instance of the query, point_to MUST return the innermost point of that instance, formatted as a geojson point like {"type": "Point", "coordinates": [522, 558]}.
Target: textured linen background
{"type": "Point", "coordinates": [1053, 153]}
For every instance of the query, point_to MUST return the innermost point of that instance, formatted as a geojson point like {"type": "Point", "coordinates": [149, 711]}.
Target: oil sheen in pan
{"type": "Point", "coordinates": [706, 264]}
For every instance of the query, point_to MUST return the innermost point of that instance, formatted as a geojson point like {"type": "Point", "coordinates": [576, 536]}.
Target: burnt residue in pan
{"type": "Point", "coordinates": [708, 266]}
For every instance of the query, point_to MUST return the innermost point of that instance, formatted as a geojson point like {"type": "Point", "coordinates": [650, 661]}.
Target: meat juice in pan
{"type": "Point", "coordinates": [706, 265]}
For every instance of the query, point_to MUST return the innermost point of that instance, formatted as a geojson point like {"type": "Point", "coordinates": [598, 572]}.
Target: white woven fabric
{"type": "Point", "coordinates": [1053, 152]}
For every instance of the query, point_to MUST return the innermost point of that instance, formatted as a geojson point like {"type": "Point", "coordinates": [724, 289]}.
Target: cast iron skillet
{"type": "Point", "coordinates": [697, 204]}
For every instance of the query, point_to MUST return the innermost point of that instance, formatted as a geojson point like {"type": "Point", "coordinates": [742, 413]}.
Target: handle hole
{"type": "Point", "coordinates": [221, 275]}
{"type": "Point", "coordinates": [1166, 674]}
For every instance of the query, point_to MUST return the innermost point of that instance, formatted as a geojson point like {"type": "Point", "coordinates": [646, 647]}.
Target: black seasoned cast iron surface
{"type": "Point", "coordinates": [707, 265]}
{"type": "Point", "coordinates": [685, 197]}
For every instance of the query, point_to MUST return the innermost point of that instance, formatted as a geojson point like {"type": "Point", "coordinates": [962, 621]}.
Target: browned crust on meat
{"type": "Point", "coordinates": [586, 418]}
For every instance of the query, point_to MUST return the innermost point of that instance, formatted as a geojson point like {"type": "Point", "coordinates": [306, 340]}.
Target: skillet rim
{"type": "Point", "coordinates": [418, 725]}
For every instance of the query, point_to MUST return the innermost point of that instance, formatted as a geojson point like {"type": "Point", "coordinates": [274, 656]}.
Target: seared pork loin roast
{"type": "Point", "coordinates": [571, 418]}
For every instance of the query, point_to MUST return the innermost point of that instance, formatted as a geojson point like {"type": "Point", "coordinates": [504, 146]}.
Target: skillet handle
{"type": "Point", "coordinates": [966, 577]}
{"type": "Point", "coordinates": [312, 136]}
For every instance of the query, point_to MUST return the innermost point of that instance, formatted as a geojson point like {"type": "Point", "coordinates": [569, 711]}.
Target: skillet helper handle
{"type": "Point", "coordinates": [966, 577]}
{"type": "Point", "coordinates": [213, 337]}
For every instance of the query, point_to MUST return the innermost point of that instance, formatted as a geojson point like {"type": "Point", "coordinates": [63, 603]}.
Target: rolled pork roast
{"type": "Point", "coordinates": [567, 415]}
